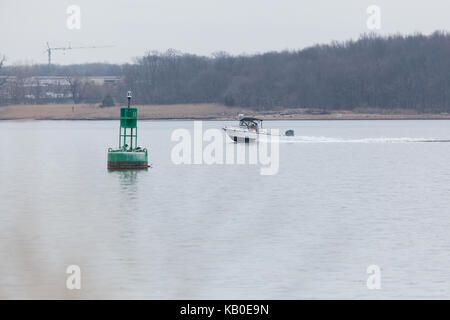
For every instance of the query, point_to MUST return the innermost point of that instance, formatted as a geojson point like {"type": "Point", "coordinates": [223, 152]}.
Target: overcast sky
{"type": "Point", "coordinates": [199, 26]}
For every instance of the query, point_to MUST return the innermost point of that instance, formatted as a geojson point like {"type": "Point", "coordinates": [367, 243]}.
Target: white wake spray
{"type": "Point", "coordinates": [315, 139]}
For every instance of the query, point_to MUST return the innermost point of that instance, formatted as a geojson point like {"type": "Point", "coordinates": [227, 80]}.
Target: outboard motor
{"type": "Point", "coordinates": [289, 133]}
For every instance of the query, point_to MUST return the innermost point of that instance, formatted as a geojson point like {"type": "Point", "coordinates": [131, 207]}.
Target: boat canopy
{"type": "Point", "coordinates": [251, 123]}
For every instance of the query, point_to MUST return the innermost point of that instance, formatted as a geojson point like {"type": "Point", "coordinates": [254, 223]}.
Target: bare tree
{"type": "Point", "coordinates": [2, 61]}
{"type": "Point", "coordinates": [16, 86]}
{"type": "Point", "coordinates": [77, 88]}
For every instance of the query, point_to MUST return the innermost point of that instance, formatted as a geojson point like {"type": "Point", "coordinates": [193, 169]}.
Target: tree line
{"type": "Point", "coordinates": [386, 73]}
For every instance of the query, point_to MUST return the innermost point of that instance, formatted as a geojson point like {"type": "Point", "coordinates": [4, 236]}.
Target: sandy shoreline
{"type": "Point", "coordinates": [189, 112]}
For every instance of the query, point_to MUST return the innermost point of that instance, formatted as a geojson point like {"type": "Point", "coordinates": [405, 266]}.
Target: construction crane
{"type": "Point", "coordinates": [69, 47]}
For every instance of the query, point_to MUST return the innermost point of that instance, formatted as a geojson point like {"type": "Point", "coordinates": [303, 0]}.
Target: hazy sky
{"type": "Point", "coordinates": [199, 26]}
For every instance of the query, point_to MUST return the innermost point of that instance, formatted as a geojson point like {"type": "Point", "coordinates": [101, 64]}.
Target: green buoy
{"type": "Point", "coordinates": [129, 155]}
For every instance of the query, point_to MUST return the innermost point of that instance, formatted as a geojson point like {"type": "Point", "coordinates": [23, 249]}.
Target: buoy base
{"type": "Point", "coordinates": [127, 160]}
{"type": "Point", "coordinates": [124, 165]}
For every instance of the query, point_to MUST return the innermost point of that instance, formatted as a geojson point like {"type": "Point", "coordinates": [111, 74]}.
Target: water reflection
{"type": "Point", "coordinates": [128, 180]}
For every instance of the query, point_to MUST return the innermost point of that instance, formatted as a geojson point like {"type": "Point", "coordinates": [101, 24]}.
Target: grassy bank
{"type": "Point", "coordinates": [194, 111]}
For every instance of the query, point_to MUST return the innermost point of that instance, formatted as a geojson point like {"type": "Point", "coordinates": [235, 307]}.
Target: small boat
{"type": "Point", "coordinates": [250, 129]}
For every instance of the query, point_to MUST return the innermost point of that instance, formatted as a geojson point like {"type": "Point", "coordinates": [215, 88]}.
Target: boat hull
{"type": "Point", "coordinates": [246, 133]}
{"type": "Point", "coordinates": [238, 135]}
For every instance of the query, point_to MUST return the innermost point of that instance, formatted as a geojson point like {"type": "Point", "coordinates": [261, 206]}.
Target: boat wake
{"type": "Point", "coordinates": [312, 139]}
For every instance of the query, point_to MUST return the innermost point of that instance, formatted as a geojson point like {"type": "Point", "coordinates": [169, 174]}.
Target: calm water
{"type": "Point", "coordinates": [348, 194]}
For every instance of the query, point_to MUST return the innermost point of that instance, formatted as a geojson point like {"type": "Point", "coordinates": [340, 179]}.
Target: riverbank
{"type": "Point", "coordinates": [194, 111]}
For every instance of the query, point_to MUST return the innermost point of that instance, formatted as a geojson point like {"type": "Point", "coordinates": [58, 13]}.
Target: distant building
{"type": "Point", "coordinates": [62, 80]}
{"type": "Point", "coordinates": [46, 89]}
